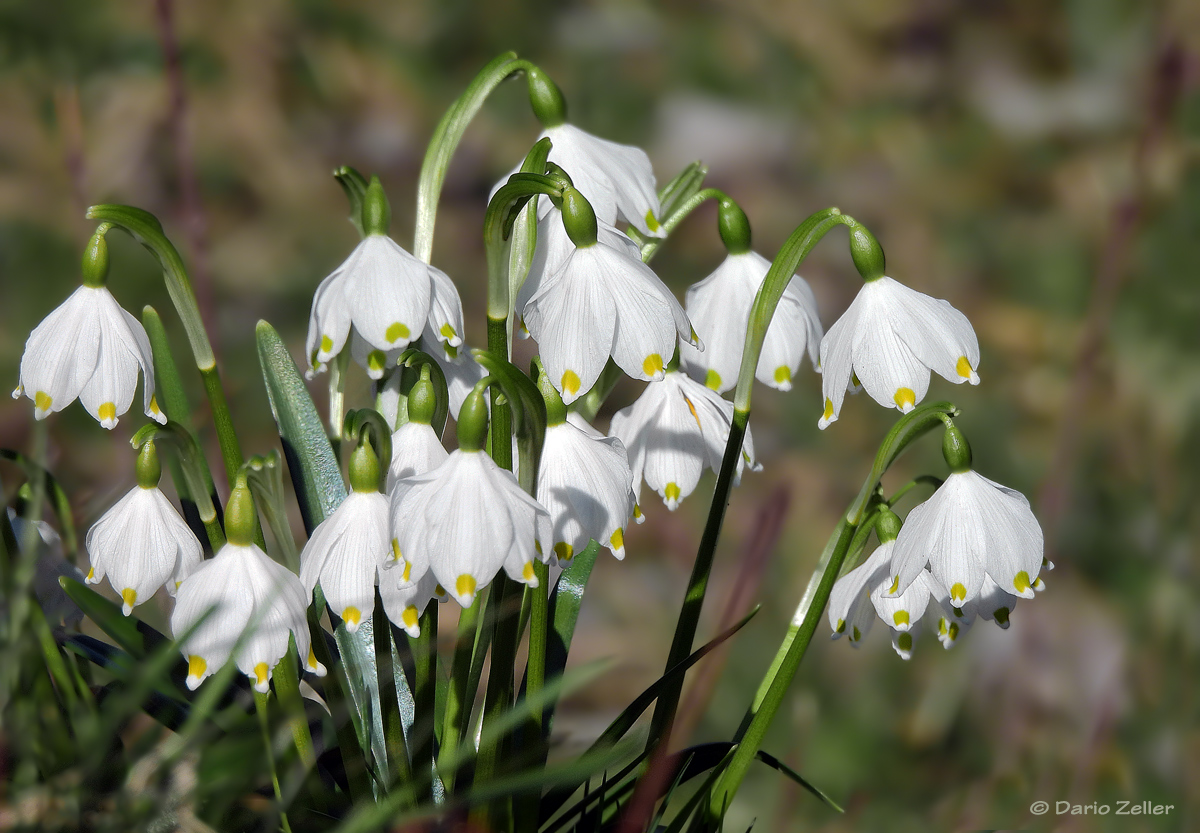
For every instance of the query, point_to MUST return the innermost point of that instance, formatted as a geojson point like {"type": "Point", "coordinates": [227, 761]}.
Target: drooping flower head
{"type": "Point", "coordinates": [467, 519]}
{"type": "Point", "coordinates": [584, 481]}
{"type": "Point", "coordinates": [719, 307]}
{"type": "Point", "coordinates": [970, 530]}
{"type": "Point", "coordinates": [91, 349]}
{"type": "Point", "coordinates": [348, 548]}
{"type": "Point", "coordinates": [142, 543]}
{"type": "Point", "coordinates": [674, 429]}
{"type": "Point", "coordinates": [618, 180]}
{"type": "Point", "coordinates": [416, 447]}
{"type": "Point", "coordinates": [241, 606]}
{"type": "Point", "coordinates": [381, 298]}
{"type": "Point", "coordinates": [589, 296]}
{"type": "Point", "coordinates": [888, 340]}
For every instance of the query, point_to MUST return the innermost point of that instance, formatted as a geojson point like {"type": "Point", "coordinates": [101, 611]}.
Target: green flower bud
{"type": "Point", "coordinates": [240, 519]}
{"type": "Point", "coordinates": [473, 422]}
{"type": "Point", "coordinates": [888, 525]}
{"type": "Point", "coordinates": [579, 218]}
{"type": "Point", "coordinates": [956, 449]}
{"type": "Point", "coordinates": [148, 466]}
{"type": "Point", "coordinates": [734, 227]}
{"type": "Point", "coordinates": [422, 399]}
{"type": "Point", "coordinates": [546, 98]}
{"type": "Point", "coordinates": [376, 213]}
{"type": "Point", "coordinates": [867, 253]}
{"type": "Point", "coordinates": [364, 467]}
{"type": "Point", "coordinates": [95, 258]}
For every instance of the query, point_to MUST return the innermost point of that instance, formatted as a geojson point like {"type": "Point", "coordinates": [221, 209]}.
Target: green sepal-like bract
{"type": "Point", "coordinates": [94, 267]}
{"type": "Point", "coordinates": [546, 99]}
{"type": "Point", "coordinates": [955, 449]}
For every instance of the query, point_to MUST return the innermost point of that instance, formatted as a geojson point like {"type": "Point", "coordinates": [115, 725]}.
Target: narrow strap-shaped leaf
{"type": "Point", "coordinates": [58, 497]}
{"type": "Point", "coordinates": [132, 634]}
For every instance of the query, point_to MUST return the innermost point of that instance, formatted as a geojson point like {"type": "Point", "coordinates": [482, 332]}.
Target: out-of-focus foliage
{"type": "Point", "coordinates": [988, 145]}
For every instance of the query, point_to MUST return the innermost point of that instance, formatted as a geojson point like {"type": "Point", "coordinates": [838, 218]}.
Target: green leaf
{"type": "Point", "coordinates": [135, 636]}
{"type": "Point", "coordinates": [58, 496]}
{"type": "Point", "coordinates": [313, 467]}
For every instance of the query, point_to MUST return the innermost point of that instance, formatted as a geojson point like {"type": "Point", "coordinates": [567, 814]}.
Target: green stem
{"type": "Point", "coordinates": [424, 651]}
{"type": "Point", "coordinates": [286, 679]}
{"type": "Point", "coordinates": [525, 808]}
{"type": "Point", "coordinates": [791, 255]}
{"type": "Point", "coordinates": [693, 601]}
{"type": "Point", "coordinates": [445, 140]}
{"type": "Point", "coordinates": [260, 706]}
{"type": "Point", "coordinates": [396, 768]}
{"type": "Point", "coordinates": [146, 229]}
{"type": "Point", "coordinates": [172, 401]}
{"type": "Point", "coordinates": [457, 705]}
{"type": "Point", "coordinates": [750, 743]}
{"type": "Point", "coordinates": [338, 695]}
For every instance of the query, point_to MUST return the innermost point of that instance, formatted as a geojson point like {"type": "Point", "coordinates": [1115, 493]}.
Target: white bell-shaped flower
{"type": "Point", "coordinates": [241, 605]}
{"type": "Point", "coordinates": [416, 447]}
{"type": "Point", "coordinates": [91, 349]}
{"type": "Point", "coordinates": [719, 309]}
{"type": "Point", "coordinates": [468, 518]}
{"type": "Point", "coordinates": [596, 301]}
{"type": "Point", "coordinates": [674, 429]}
{"type": "Point", "coordinates": [384, 296]}
{"type": "Point", "coordinates": [888, 340]}
{"type": "Point", "coordinates": [584, 481]}
{"type": "Point", "coordinates": [970, 529]}
{"type": "Point", "coordinates": [348, 548]}
{"type": "Point", "coordinates": [850, 610]}
{"type": "Point", "coordinates": [404, 601]}
{"type": "Point", "coordinates": [142, 543]}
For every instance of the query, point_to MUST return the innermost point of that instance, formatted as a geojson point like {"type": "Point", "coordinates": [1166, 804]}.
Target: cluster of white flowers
{"type": "Point", "coordinates": [445, 523]}
{"type": "Point", "coordinates": [973, 548]}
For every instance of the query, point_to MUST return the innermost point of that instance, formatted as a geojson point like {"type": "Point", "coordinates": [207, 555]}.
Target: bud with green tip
{"type": "Point", "coordinates": [376, 212]}
{"type": "Point", "coordinates": [95, 258]}
{"type": "Point", "coordinates": [416, 448]}
{"type": "Point", "coordinates": [578, 218]}
{"type": "Point", "coordinates": [733, 226]}
{"type": "Point", "coordinates": [866, 253]}
{"type": "Point", "coordinates": [955, 449]}
{"type": "Point", "coordinates": [546, 98]}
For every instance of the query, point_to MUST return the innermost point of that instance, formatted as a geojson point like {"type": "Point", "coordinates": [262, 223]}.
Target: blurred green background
{"type": "Point", "coordinates": [1036, 163]}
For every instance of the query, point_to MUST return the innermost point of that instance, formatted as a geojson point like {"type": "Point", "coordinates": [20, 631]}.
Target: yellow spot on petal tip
{"type": "Point", "coordinates": [958, 592]}
{"type": "Point", "coordinates": [154, 409]}
{"type": "Point", "coordinates": [196, 667]}
{"type": "Point", "coordinates": [326, 344]}
{"type": "Point", "coordinates": [905, 642]}
{"type": "Point", "coordinates": [376, 361]}
{"type": "Point", "coordinates": [410, 617]}
{"type": "Point", "coordinates": [653, 364]}
{"type": "Point", "coordinates": [91, 576]}
{"type": "Point", "coordinates": [447, 331]}
{"type": "Point", "coordinates": [617, 540]}
{"type": "Point", "coordinates": [895, 586]}
{"type": "Point", "coordinates": [107, 413]}
{"type": "Point", "coordinates": [712, 379]}
{"type": "Point", "coordinates": [527, 573]}
{"type": "Point", "coordinates": [855, 634]}
{"type": "Point", "coordinates": [407, 574]}
{"type": "Point", "coordinates": [964, 367]}
{"type": "Point", "coordinates": [672, 493]}
{"type": "Point", "coordinates": [42, 400]}
{"type": "Point", "coordinates": [905, 399]}
{"type": "Point", "coordinates": [564, 551]}
{"type": "Point", "coordinates": [352, 616]}
{"type": "Point", "coordinates": [397, 331]}
{"type": "Point", "coordinates": [1021, 582]}
{"type": "Point", "coordinates": [841, 626]}
{"type": "Point", "coordinates": [465, 586]}
{"type": "Point", "coordinates": [652, 221]}
{"type": "Point", "coordinates": [129, 596]}
{"type": "Point", "coordinates": [900, 617]}
{"type": "Point", "coordinates": [396, 556]}
{"type": "Point", "coordinates": [783, 375]}
{"type": "Point", "coordinates": [311, 664]}
{"type": "Point", "coordinates": [262, 673]}
{"type": "Point", "coordinates": [439, 591]}
{"type": "Point", "coordinates": [570, 382]}
{"type": "Point", "coordinates": [1001, 616]}
{"type": "Point", "coordinates": [637, 512]}
{"type": "Point", "coordinates": [828, 414]}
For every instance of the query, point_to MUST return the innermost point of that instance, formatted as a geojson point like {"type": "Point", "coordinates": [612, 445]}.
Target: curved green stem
{"type": "Point", "coordinates": [445, 141]}
{"type": "Point", "coordinates": [791, 651]}
{"type": "Point", "coordinates": [145, 228]}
